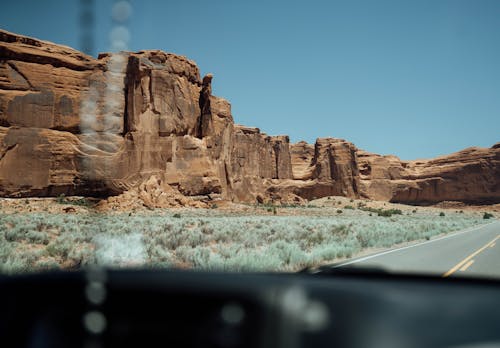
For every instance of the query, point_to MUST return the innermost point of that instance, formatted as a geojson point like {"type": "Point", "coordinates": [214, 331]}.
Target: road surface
{"type": "Point", "coordinates": [471, 252]}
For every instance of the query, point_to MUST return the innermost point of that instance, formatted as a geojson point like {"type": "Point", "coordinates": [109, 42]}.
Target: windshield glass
{"type": "Point", "coordinates": [250, 136]}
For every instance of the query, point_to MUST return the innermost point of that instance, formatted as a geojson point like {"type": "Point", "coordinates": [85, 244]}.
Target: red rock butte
{"type": "Point", "coordinates": [71, 124]}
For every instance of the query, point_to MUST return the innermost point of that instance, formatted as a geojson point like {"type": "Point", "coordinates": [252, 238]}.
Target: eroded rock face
{"type": "Point", "coordinates": [146, 126]}
{"type": "Point", "coordinates": [471, 176]}
{"type": "Point", "coordinates": [302, 155]}
{"type": "Point", "coordinates": [37, 161]}
{"type": "Point", "coordinates": [329, 168]}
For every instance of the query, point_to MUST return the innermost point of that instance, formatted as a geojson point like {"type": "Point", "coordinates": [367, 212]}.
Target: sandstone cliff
{"type": "Point", "coordinates": [471, 176]}
{"type": "Point", "coordinates": [76, 125]}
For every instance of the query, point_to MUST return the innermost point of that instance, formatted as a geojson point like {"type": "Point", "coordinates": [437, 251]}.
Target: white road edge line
{"type": "Point", "coordinates": [470, 229]}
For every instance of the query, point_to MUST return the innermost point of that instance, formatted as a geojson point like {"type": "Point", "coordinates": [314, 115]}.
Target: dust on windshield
{"type": "Point", "coordinates": [128, 141]}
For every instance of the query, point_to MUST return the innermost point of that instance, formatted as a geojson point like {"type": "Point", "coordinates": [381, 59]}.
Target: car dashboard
{"type": "Point", "coordinates": [149, 308]}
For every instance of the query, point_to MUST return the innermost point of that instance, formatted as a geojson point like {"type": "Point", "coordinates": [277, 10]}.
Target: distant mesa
{"type": "Point", "coordinates": [125, 122]}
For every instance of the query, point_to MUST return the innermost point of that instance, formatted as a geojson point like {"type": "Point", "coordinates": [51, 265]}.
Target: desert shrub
{"type": "Point", "coordinates": [84, 202]}
{"type": "Point", "coordinates": [47, 264]}
{"type": "Point", "coordinates": [246, 260]}
{"type": "Point", "coordinates": [206, 239]}
{"type": "Point", "coordinates": [61, 199]}
{"type": "Point", "coordinates": [315, 238]}
{"type": "Point", "coordinates": [288, 253]}
{"type": "Point", "coordinates": [441, 214]}
{"type": "Point", "coordinates": [361, 204]}
{"type": "Point", "coordinates": [82, 255]}
{"type": "Point", "coordinates": [21, 260]}
{"type": "Point", "coordinates": [339, 211]}
{"type": "Point", "coordinates": [159, 255]}
{"type": "Point", "coordinates": [384, 213]}
{"type": "Point", "coordinates": [487, 216]}
{"type": "Point", "coordinates": [36, 237]}
{"type": "Point", "coordinates": [60, 247]}
{"type": "Point", "coordinates": [395, 211]}
{"type": "Point", "coordinates": [349, 207]}
{"type": "Point", "coordinates": [363, 240]}
{"type": "Point", "coordinates": [14, 264]}
{"type": "Point", "coordinates": [177, 215]}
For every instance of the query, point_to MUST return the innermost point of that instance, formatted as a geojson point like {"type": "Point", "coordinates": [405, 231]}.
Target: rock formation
{"type": "Point", "coordinates": [126, 122]}
{"type": "Point", "coordinates": [470, 176]}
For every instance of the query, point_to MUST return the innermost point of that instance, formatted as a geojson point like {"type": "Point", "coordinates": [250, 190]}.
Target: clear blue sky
{"type": "Point", "coordinates": [412, 78]}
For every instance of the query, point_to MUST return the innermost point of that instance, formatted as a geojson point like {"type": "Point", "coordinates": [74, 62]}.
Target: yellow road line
{"type": "Point", "coordinates": [492, 245]}
{"type": "Point", "coordinates": [468, 258]}
{"type": "Point", "coordinates": [467, 265]}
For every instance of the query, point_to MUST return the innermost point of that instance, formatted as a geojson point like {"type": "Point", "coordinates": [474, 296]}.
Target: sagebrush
{"type": "Point", "coordinates": [35, 241]}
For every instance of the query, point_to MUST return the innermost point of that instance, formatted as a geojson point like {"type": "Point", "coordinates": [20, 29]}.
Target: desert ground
{"type": "Point", "coordinates": [72, 232]}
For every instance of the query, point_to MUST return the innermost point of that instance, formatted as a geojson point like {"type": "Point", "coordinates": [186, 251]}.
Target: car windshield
{"type": "Point", "coordinates": [250, 136]}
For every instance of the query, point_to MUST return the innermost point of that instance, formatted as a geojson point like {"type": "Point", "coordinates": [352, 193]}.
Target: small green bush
{"type": "Point", "coordinates": [61, 199]}
{"type": "Point", "coordinates": [349, 207]}
{"type": "Point", "coordinates": [441, 214]}
{"type": "Point", "coordinates": [177, 215]}
{"type": "Point", "coordinates": [395, 211]}
{"type": "Point", "coordinates": [339, 211]}
{"type": "Point", "coordinates": [363, 240]}
{"type": "Point", "coordinates": [487, 216]}
{"type": "Point", "coordinates": [382, 212]}
{"type": "Point", "coordinates": [83, 202]}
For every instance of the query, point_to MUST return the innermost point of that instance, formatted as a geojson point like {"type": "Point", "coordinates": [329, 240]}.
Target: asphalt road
{"type": "Point", "coordinates": [471, 252]}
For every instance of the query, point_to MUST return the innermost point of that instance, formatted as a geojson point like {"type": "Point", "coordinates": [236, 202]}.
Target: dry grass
{"type": "Point", "coordinates": [231, 237]}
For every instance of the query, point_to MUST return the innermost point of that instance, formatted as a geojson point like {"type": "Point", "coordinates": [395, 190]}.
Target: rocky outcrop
{"type": "Point", "coordinates": [329, 168]}
{"type": "Point", "coordinates": [145, 126]}
{"type": "Point", "coordinates": [470, 176]}
{"type": "Point", "coordinates": [152, 193]}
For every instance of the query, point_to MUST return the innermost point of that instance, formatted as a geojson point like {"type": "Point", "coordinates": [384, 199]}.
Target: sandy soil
{"type": "Point", "coordinates": [326, 205]}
